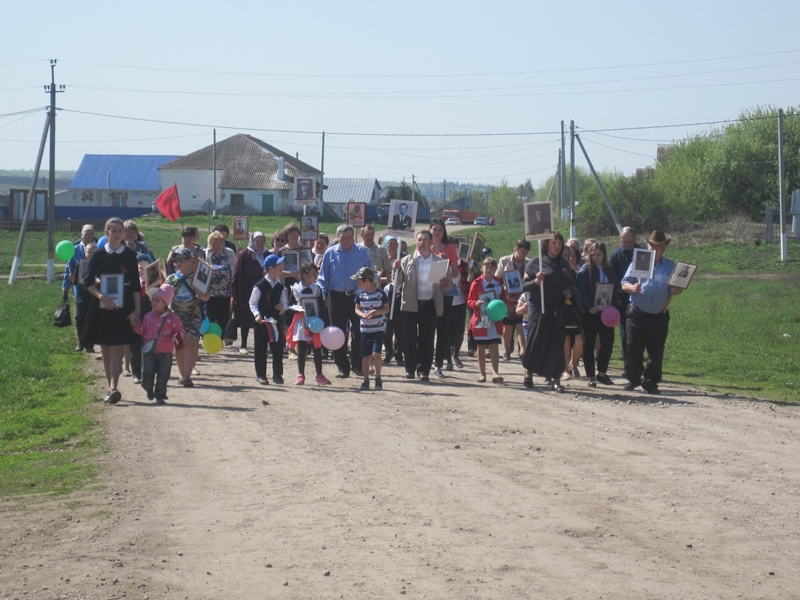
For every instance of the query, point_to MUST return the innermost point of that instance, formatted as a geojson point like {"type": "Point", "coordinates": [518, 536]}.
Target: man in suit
{"type": "Point", "coordinates": [402, 221]}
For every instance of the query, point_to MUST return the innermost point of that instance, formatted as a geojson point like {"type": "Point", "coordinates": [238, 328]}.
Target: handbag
{"type": "Point", "coordinates": [61, 317]}
{"type": "Point", "coordinates": [149, 349]}
{"type": "Point", "coordinates": [229, 335]}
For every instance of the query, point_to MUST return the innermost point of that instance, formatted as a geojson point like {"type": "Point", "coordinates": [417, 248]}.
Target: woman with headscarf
{"type": "Point", "coordinates": [544, 349]}
{"type": "Point", "coordinates": [246, 274]}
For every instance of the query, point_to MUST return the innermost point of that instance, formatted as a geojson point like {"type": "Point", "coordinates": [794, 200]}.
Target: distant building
{"type": "Point", "coordinates": [340, 191]}
{"type": "Point", "coordinates": [247, 176]}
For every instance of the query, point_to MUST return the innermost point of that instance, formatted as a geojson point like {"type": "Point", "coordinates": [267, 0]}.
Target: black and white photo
{"type": "Point", "coordinates": [539, 220]}
{"type": "Point", "coordinates": [643, 263]}
{"type": "Point", "coordinates": [682, 275]}
{"type": "Point", "coordinates": [402, 218]}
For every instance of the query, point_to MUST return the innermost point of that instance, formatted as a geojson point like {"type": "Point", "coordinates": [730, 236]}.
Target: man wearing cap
{"type": "Point", "coordinates": [268, 301]}
{"type": "Point", "coordinates": [339, 263]}
{"type": "Point", "coordinates": [421, 303]}
{"type": "Point", "coordinates": [620, 260]}
{"type": "Point", "coordinates": [648, 317]}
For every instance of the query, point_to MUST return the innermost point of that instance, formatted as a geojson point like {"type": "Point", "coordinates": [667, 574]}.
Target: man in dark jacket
{"type": "Point", "coordinates": [620, 260]}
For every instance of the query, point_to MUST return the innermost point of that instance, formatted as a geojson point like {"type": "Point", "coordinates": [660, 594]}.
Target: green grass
{"type": "Point", "coordinates": [47, 435]}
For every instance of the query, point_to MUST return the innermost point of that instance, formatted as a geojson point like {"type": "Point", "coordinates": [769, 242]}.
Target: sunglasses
{"type": "Point", "coordinates": [180, 260]}
{"type": "Point", "coordinates": [279, 240]}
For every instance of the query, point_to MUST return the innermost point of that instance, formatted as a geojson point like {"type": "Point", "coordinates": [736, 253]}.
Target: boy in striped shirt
{"type": "Point", "coordinates": [372, 305]}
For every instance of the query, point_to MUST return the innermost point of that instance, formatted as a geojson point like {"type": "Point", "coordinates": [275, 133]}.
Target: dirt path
{"type": "Point", "coordinates": [453, 490]}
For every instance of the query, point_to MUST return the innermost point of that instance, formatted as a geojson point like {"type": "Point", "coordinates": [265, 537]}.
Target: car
{"type": "Point", "coordinates": [452, 221]}
{"type": "Point", "coordinates": [480, 220]}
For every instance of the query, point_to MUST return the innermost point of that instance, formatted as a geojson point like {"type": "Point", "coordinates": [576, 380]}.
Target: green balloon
{"type": "Point", "coordinates": [497, 310]}
{"type": "Point", "coordinates": [214, 329]}
{"type": "Point", "coordinates": [65, 250]}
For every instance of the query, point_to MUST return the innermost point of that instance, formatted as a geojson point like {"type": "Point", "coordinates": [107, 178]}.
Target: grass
{"type": "Point", "coordinates": [47, 435]}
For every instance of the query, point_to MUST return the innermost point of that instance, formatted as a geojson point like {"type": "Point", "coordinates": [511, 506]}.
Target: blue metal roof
{"type": "Point", "coordinates": [119, 172]}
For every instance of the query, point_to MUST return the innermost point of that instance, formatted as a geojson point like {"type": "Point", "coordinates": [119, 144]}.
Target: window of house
{"type": "Point", "coordinates": [237, 199]}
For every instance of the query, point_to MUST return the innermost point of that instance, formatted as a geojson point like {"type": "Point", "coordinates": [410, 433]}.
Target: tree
{"type": "Point", "coordinates": [504, 205]}
{"type": "Point", "coordinates": [526, 191]}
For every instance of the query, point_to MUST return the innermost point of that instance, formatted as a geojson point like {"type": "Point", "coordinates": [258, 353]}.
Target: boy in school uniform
{"type": "Point", "coordinates": [372, 305]}
{"type": "Point", "coordinates": [268, 303]}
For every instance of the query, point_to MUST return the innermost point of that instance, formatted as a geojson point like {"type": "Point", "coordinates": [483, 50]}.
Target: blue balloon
{"type": "Point", "coordinates": [102, 241]}
{"type": "Point", "coordinates": [315, 324]}
{"type": "Point", "coordinates": [204, 326]}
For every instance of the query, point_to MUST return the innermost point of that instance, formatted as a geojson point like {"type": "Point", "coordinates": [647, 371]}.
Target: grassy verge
{"type": "Point", "coordinates": [47, 436]}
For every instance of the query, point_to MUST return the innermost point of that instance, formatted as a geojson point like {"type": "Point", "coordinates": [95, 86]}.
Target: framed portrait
{"type": "Point", "coordinates": [310, 308]}
{"type": "Point", "coordinates": [539, 220]}
{"type": "Point", "coordinates": [112, 285]}
{"type": "Point", "coordinates": [459, 238]}
{"type": "Point", "coordinates": [513, 281]}
{"type": "Point", "coordinates": [241, 228]}
{"type": "Point", "coordinates": [308, 227]}
{"type": "Point", "coordinates": [305, 191]}
{"type": "Point", "coordinates": [83, 270]}
{"type": "Point", "coordinates": [682, 275]}
{"type": "Point", "coordinates": [153, 276]}
{"type": "Point", "coordinates": [486, 297]}
{"type": "Point", "coordinates": [291, 262]}
{"type": "Point", "coordinates": [643, 263]}
{"type": "Point", "coordinates": [356, 213]}
{"type": "Point", "coordinates": [402, 218]}
{"type": "Point", "coordinates": [201, 281]}
{"type": "Point", "coordinates": [306, 256]}
{"type": "Point", "coordinates": [476, 250]}
{"type": "Point", "coordinates": [464, 250]}
{"type": "Point", "coordinates": [603, 293]}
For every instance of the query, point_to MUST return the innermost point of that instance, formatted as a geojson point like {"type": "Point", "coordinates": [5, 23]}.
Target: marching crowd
{"type": "Point", "coordinates": [367, 304]}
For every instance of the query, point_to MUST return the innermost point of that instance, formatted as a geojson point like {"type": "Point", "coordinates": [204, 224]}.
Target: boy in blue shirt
{"type": "Point", "coordinates": [372, 305]}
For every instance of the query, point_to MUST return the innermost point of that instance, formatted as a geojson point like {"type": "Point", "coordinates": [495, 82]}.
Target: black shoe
{"type": "Point", "coordinates": [262, 381]}
{"type": "Point", "coordinates": [89, 349]}
{"type": "Point", "coordinates": [113, 397]}
{"type": "Point", "coordinates": [506, 357]}
{"type": "Point", "coordinates": [630, 386]}
{"type": "Point", "coordinates": [277, 379]}
{"type": "Point", "coordinates": [160, 401]}
{"type": "Point", "coordinates": [150, 395]}
{"type": "Point", "coordinates": [528, 382]}
{"type": "Point", "coordinates": [342, 375]}
{"type": "Point", "coordinates": [78, 348]}
{"type": "Point", "coordinates": [378, 384]}
{"type": "Point", "coordinates": [650, 387]}
{"type": "Point", "coordinates": [592, 382]}
{"type": "Point", "coordinates": [557, 387]}
{"type": "Point", "coordinates": [364, 385]}
{"type": "Point", "coordinates": [399, 360]}
{"type": "Point", "coordinates": [423, 377]}
{"type": "Point", "coordinates": [458, 362]}
{"type": "Point", "coordinates": [188, 383]}
{"type": "Point", "coordinates": [410, 376]}
{"type": "Point", "coordinates": [604, 379]}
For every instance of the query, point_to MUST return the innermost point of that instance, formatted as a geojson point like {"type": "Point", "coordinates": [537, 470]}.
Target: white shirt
{"type": "Point", "coordinates": [255, 295]}
{"type": "Point", "coordinates": [424, 289]}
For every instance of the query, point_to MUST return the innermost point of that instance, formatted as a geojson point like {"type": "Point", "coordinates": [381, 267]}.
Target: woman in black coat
{"type": "Point", "coordinates": [544, 349]}
{"type": "Point", "coordinates": [246, 274]}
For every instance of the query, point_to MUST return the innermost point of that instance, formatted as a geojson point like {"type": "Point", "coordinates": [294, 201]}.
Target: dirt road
{"type": "Point", "coordinates": [437, 490]}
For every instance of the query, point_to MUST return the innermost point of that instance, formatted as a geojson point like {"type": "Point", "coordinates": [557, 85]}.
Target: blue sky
{"type": "Point", "coordinates": [285, 72]}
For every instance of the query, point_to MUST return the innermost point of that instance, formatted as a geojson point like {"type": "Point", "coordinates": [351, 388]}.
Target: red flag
{"type": "Point", "coordinates": [169, 204]}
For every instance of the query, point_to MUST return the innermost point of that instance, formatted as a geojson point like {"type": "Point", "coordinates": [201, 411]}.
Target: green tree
{"type": "Point", "coordinates": [504, 204]}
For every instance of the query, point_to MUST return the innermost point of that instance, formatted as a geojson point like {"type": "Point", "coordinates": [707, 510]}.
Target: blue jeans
{"type": "Point", "coordinates": [156, 369]}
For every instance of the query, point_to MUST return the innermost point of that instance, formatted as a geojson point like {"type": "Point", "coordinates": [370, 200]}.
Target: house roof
{"type": "Point", "coordinates": [341, 190]}
{"type": "Point", "coordinates": [247, 163]}
{"type": "Point", "coordinates": [119, 172]}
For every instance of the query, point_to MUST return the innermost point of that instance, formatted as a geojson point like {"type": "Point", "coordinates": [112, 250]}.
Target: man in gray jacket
{"type": "Point", "coordinates": [420, 304]}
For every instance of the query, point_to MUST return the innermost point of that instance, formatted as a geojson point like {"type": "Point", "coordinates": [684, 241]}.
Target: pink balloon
{"type": "Point", "coordinates": [610, 317]}
{"type": "Point", "coordinates": [332, 338]}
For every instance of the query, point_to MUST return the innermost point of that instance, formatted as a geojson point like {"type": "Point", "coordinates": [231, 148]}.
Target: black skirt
{"type": "Point", "coordinates": [544, 348]}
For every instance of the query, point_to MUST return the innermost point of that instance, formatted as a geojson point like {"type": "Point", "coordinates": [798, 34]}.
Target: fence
{"type": "Point", "coordinates": [62, 225]}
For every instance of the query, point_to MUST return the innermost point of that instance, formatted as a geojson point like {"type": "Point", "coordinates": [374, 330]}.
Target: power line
{"type": "Point", "coordinates": [24, 112]}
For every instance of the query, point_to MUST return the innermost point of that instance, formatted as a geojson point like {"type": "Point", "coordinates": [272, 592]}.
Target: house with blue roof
{"type": "Point", "coordinates": [122, 184]}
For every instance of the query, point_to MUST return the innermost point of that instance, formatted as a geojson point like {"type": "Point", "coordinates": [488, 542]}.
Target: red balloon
{"type": "Point", "coordinates": [610, 317]}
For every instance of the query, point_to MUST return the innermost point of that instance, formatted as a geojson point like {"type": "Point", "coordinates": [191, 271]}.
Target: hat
{"type": "Point", "coordinates": [364, 274]}
{"type": "Point", "coordinates": [182, 252]}
{"type": "Point", "coordinates": [273, 260]}
{"type": "Point", "coordinates": [388, 239]}
{"type": "Point", "coordinates": [659, 237]}
{"type": "Point", "coordinates": [166, 292]}
{"type": "Point", "coordinates": [144, 256]}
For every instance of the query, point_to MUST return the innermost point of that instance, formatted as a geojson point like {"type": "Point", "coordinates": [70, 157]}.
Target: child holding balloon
{"type": "Point", "coordinates": [158, 329]}
{"type": "Point", "coordinates": [302, 330]}
{"type": "Point", "coordinates": [486, 328]}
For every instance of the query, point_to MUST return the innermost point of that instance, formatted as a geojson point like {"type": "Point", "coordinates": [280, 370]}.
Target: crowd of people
{"type": "Point", "coordinates": [391, 307]}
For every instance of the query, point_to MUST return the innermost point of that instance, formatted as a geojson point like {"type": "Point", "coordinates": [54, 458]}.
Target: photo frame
{"type": "Point", "coordinates": [83, 270]}
{"type": "Point", "coordinates": [356, 213]}
{"type": "Point", "coordinates": [310, 308]}
{"type": "Point", "coordinates": [603, 293]}
{"type": "Point", "coordinates": [643, 263]}
{"type": "Point", "coordinates": [113, 285]}
{"type": "Point", "coordinates": [203, 273]}
{"type": "Point", "coordinates": [539, 221]}
{"type": "Point", "coordinates": [476, 251]}
{"type": "Point", "coordinates": [486, 297]}
{"type": "Point", "coordinates": [309, 227]}
{"type": "Point", "coordinates": [682, 275]}
{"type": "Point", "coordinates": [291, 261]}
{"type": "Point", "coordinates": [402, 218]}
{"type": "Point", "coordinates": [464, 249]}
{"type": "Point", "coordinates": [241, 228]}
{"type": "Point", "coordinates": [305, 191]}
{"type": "Point", "coordinates": [306, 256]}
{"type": "Point", "coordinates": [153, 276]}
{"type": "Point", "coordinates": [513, 281]}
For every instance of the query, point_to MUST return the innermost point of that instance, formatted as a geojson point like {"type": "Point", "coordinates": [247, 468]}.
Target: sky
{"type": "Point", "coordinates": [458, 91]}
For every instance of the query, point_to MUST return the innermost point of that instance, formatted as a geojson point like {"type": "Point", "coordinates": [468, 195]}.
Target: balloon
{"type": "Point", "coordinates": [332, 338]}
{"type": "Point", "coordinates": [214, 329]}
{"type": "Point", "coordinates": [610, 317]}
{"type": "Point", "coordinates": [65, 250]}
{"type": "Point", "coordinates": [212, 343]}
{"type": "Point", "coordinates": [102, 241]}
{"type": "Point", "coordinates": [315, 324]}
{"type": "Point", "coordinates": [204, 326]}
{"type": "Point", "coordinates": [496, 310]}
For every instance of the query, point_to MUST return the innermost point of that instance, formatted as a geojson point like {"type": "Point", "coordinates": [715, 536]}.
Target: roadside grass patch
{"type": "Point", "coordinates": [47, 436]}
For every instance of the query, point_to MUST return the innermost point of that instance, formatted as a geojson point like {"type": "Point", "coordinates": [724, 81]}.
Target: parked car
{"type": "Point", "coordinates": [480, 221]}
{"type": "Point", "coordinates": [452, 221]}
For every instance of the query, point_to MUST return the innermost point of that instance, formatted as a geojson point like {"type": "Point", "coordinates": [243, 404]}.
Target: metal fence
{"type": "Point", "coordinates": [62, 225]}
